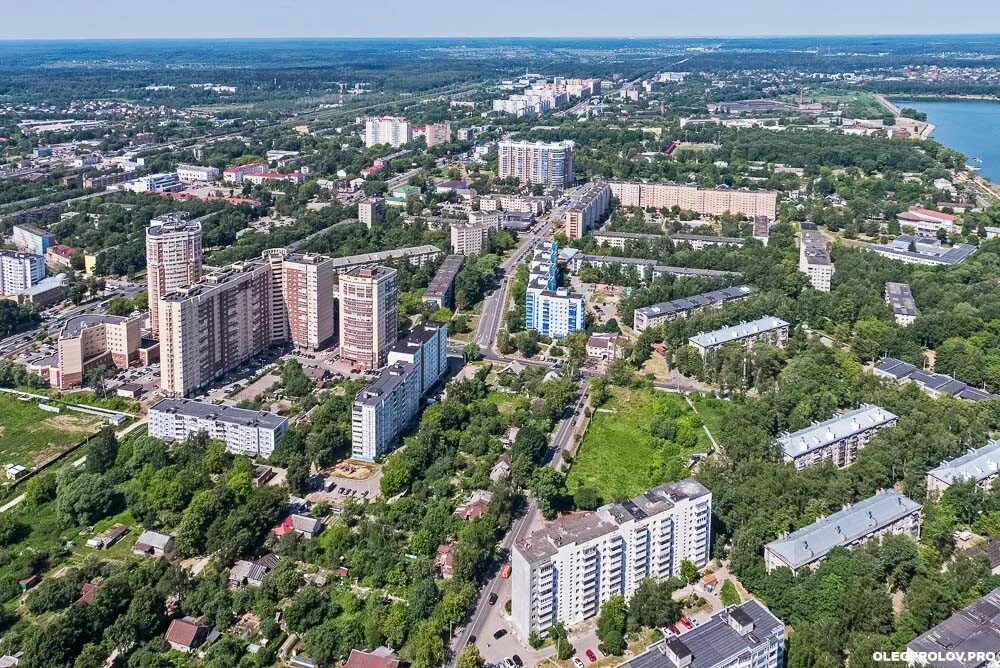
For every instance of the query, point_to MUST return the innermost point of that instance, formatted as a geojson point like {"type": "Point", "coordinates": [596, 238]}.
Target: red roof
{"type": "Point", "coordinates": [359, 659]}
{"type": "Point", "coordinates": [88, 593]}
{"type": "Point", "coordinates": [916, 210]}
{"type": "Point", "coordinates": [64, 251]}
{"type": "Point", "coordinates": [183, 632]}
{"type": "Point", "coordinates": [283, 527]}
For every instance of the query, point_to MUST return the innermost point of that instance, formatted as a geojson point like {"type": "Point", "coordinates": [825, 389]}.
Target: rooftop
{"type": "Point", "coordinates": [977, 465]}
{"type": "Point", "coordinates": [340, 263]}
{"type": "Point", "coordinates": [737, 332]}
{"type": "Point", "coordinates": [900, 298]}
{"type": "Point", "coordinates": [697, 301]}
{"type": "Point", "coordinates": [838, 427]}
{"type": "Point", "coordinates": [229, 414]}
{"type": "Point", "coordinates": [391, 377]}
{"type": "Point", "coordinates": [707, 238]}
{"type": "Point", "coordinates": [586, 526]}
{"type": "Point", "coordinates": [923, 249]}
{"type": "Point", "coordinates": [941, 383]}
{"type": "Point", "coordinates": [445, 276]}
{"type": "Point", "coordinates": [971, 630]}
{"type": "Point", "coordinates": [72, 327]}
{"type": "Point", "coordinates": [717, 641]}
{"type": "Point", "coordinates": [842, 528]}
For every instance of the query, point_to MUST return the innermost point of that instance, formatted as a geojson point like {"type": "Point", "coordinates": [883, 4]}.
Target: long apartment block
{"type": "Point", "coordinates": [590, 204]}
{"type": "Point", "coordinates": [885, 513]}
{"type": "Point", "coordinates": [384, 410]}
{"type": "Point", "coordinates": [564, 571]}
{"type": "Point", "coordinates": [706, 201]}
{"type": "Point", "coordinates": [981, 466]}
{"type": "Point", "coordinates": [838, 439]}
{"type": "Point", "coordinates": [657, 314]}
{"type": "Point", "coordinates": [764, 330]}
{"type": "Point", "coordinates": [814, 258]}
{"type": "Point", "coordinates": [747, 635]}
{"type": "Point", "coordinates": [245, 432]}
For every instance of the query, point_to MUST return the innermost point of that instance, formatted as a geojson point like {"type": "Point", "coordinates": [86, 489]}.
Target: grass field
{"type": "Point", "coordinates": [620, 458]}
{"type": "Point", "coordinates": [712, 411]}
{"type": "Point", "coordinates": [29, 435]}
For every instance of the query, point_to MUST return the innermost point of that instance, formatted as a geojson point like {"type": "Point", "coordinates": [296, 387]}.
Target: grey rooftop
{"type": "Point", "coordinates": [229, 414]}
{"type": "Point", "coordinates": [842, 528]}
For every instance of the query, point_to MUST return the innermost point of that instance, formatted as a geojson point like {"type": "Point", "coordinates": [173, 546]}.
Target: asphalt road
{"type": "Point", "coordinates": [485, 618]}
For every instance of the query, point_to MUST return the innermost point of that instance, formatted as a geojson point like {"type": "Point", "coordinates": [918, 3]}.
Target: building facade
{"type": "Point", "coordinates": [767, 330]}
{"type": "Point", "coordinates": [19, 271]}
{"type": "Point", "coordinates": [981, 465]}
{"type": "Point", "coordinates": [886, 513]}
{"type": "Point", "coordinates": [90, 341]}
{"type": "Point", "coordinates": [590, 204]}
{"type": "Point", "coordinates": [196, 173]}
{"type": "Point", "coordinates": [30, 239]}
{"type": "Point", "coordinates": [426, 348]}
{"type": "Point", "coordinates": [838, 439]}
{"type": "Point", "coordinates": [537, 163]}
{"type": "Point", "coordinates": [384, 410]}
{"type": "Point", "coordinates": [472, 237]}
{"type": "Point", "coordinates": [392, 130]}
{"type": "Point", "coordinates": [249, 433]}
{"type": "Point", "coordinates": [173, 259]}
{"type": "Point", "coordinates": [367, 315]}
{"type": "Point", "coordinates": [564, 571]}
{"type": "Point", "coordinates": [548, 309]}
{"type": "Point", "coordinates": [706, 201]}
{"type": "Point", "coordinates": [814, 258]}
{"type": "Point", "coordinates": [437, 133]}
{"type": "Point", "coordinates": [307, 286]}
{"type": "Point", "coordinates": [213, 326]}
{"type": "Point", "coordinates": [371, 210]}
{"type": "Point", "coordinates": [746, 635]}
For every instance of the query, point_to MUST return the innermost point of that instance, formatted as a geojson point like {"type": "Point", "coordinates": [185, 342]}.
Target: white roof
{"type": "Point", "coordinates": [977, 465]}
{"type": "Point", "coordinates": [837, 428]}
{"type": "Point", "coordinates": [737, 332]}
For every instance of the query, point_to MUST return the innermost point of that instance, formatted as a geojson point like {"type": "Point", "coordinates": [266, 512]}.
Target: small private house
{"type": "Point", "coordinates": [153, 544]}
{"type": "Point", "coordinates": [185, 635]}
{"type": "Point", "coordinates": [106, 539]}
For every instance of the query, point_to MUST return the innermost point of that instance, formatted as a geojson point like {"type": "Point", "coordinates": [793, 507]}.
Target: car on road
{"type": "Point", "coordinates": [577, 663]}
{"type": "Point", "coordinates": [499, 633]}
{"type": "Point", "coordinates": [493, 598]}
{"type": "Point", "coordinates": [472, 640]}
{"type": "Point", "coordinates": [591, 656]}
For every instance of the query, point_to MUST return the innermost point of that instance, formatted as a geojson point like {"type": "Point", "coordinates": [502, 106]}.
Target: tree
{"type": "Point", "coordinates": [298, 472]}
{"type": "Point", "coordinates": [426, 649]}
{"type": "Point", "coordinates": [470, 658]}
{"type": "Point", "coordinates": [294, 380]}
{"type": "Point", "coordinates": [586, 498]}
{"type": "Point", "coordinates": [471, 352]}
{"type": "Point", "coordinates": [652, 605]}
{"type": "Point", "coordinates": [548, 486]}
{"type": "Point", "coordinates": [530, 444]}
{"type": "Point", "coordinates": [102, 451]}
{"type": "Point", "coordinates": [689, 572]}
{"type": "Point", "coordinates": [84, 499]}
{"type": "Point", "coordinates": [611, 625]}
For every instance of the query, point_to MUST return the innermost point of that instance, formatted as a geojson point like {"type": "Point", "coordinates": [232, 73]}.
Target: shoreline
{"type": "Point", "coordinates": [942, 97]}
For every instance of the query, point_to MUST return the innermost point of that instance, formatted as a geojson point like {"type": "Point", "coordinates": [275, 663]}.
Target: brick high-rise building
{"type": "Point", "coordinates": [173, 256]}
{"type": "Point", "coordinates": [367, 315]}
{"type": "Point", "coordinates": [437, 133]}
{"type": "Point", "coordinates": [392, 130]}
{"type": "Point", "coordinates": [307, 289]}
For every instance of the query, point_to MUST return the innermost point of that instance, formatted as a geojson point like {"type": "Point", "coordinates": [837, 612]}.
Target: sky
{"type": "Point", "coordinates": [100, 19]}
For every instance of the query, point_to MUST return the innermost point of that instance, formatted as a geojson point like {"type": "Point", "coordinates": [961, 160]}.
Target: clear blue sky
{"type": "Point", "coordinates": [66, 19]}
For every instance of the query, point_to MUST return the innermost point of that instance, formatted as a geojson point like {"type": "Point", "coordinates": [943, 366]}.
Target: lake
{"type": "Point", "coordinates": [969, 126]}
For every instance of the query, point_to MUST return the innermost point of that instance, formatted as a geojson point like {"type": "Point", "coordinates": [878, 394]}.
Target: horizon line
{"type": "Point", "coordinates": [454, 37]}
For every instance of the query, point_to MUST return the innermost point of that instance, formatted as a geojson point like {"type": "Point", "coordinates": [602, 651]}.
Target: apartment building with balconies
{"type": "Point", "coordinates": [838, 439]}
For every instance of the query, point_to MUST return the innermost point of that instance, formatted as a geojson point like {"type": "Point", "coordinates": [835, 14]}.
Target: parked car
{"type": "Point", "coordinates": [577, 663]}
{"type": "Point", "coordinates": [493, 598]}
{"type": "Point", "coordinates": [509, 663]}
{"type": "Point", "coordinates": [472, 640]}
{"type": "Point", "coordinates": [687, 623]}
{"type": "Point", "coordinates": [591, 656]}
{"type": "Point", "coordinates": [499, 633]}
{"type": "Point", "coordinates": [517, 661]}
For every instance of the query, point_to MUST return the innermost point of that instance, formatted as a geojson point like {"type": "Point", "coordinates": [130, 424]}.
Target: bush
{"type": "Point", "coordinates": [728, 594]}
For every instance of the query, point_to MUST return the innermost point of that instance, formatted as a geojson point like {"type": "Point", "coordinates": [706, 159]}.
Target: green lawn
{"type": "Point", "coordinates": [711, 410]}
{"type": "Point", "coordinates": [30, 436]}
{"type": "Point", "coordinates": [620, 458]}
{"type": "Point", "coordinates": [506, 403]}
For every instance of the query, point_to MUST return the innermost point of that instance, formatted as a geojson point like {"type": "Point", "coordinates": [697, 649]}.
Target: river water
{"type": "Point", "coordinates": [969, 126]}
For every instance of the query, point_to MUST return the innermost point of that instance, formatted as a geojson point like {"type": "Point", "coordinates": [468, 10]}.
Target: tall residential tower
{"type": "Point", "coordinates": [173, 256]}
{"type": "Point", "coordinates": [367, 315]}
